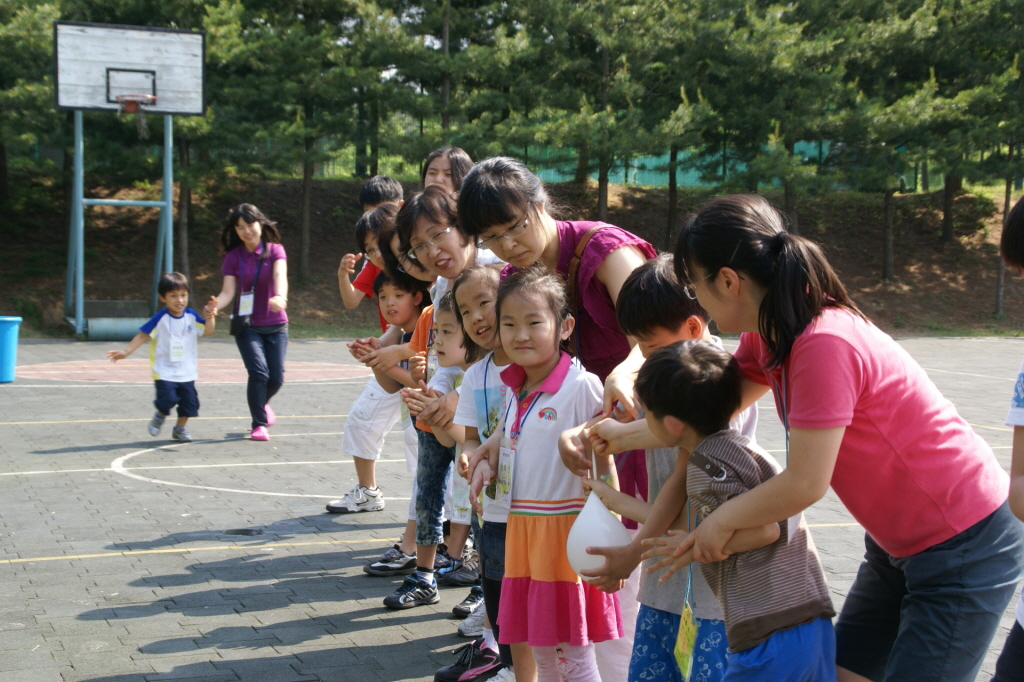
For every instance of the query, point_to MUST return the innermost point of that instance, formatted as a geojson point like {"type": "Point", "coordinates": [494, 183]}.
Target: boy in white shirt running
{"type": "Point", "coordinates": [173, 353]}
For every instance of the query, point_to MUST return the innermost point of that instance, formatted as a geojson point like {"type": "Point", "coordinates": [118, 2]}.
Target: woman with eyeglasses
{"type": "Point", "coordinates": [504, 207]}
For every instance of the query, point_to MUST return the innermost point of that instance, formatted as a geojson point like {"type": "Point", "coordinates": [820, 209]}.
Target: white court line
{"type": "Point", "coordinates": [117, 466]}
{"type": "Point", "coordinates": [192, 466]}
{"type": "Point", "coordinates": [968, 374]}
{"type": "Point", "coordinates": [121, 384]}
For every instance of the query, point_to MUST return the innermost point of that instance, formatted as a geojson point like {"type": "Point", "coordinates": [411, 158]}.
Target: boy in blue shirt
{"type": "Point", "coordinates": [173, 353]}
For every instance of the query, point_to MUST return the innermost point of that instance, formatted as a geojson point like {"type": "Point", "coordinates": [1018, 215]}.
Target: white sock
{"type": "Point", "coordinates": [489, 641]}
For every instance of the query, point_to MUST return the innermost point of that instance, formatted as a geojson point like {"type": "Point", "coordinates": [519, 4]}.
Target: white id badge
{"type": "Point", "coordinates": [506, 466]}
{"type": "Point", "coordinates": [177, 349]}
{"type": "Point", "coordinates": [245, 304]}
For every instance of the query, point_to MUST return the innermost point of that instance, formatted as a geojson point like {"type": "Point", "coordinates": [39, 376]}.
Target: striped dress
{"type": "Point", "coordinates": [543, 601]}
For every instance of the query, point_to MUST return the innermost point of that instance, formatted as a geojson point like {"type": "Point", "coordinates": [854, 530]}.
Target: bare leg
{"type": "Point", "coordinates": [182, 421]}
{"type": "Point", "coordinates": [365, 472]}
{"type": "Point", "coordinates": [842, 675]}
{"type": "Point", "coordinates": [457, 540]}
{"type": "Point", "coordinates": [408, 542]}
{"type": "Point", "coordinates": [523, 664]}
{"type": "Point", "coordinates": [425, 555]}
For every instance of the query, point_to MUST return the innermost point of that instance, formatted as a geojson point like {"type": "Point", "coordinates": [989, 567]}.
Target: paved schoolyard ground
{"type": "Point", "coordinates": [118, 564]}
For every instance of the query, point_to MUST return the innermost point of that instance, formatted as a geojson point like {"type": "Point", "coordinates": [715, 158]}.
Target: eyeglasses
{"type": "Point", "coordinates": [690, 289]}
{"type": "Point", "coordinates": [434, 240]}
{"type": "Point", "coordinates": [508, 235]}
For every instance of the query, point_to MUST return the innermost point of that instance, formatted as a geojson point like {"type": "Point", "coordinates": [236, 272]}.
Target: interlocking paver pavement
{"type": "Point", "coordinates": [153, 589]}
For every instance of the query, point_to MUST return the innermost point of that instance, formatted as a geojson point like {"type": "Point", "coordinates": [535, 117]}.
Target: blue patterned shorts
{"type": "Point", "coordinates": [653, 658]}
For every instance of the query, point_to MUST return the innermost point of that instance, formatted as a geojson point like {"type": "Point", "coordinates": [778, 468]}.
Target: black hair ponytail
{"type": "Point", "coordinates": [746, 233]}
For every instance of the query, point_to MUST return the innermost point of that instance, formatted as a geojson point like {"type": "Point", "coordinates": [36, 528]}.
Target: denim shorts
{"type": "Point", "coordinates": [931, 616]}
{"type": "Point", "coordinates": [433, 467]}
{"type": "Point", "coordinates": [492, 550]}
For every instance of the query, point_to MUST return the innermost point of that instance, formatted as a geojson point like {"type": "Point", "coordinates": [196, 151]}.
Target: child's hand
{"type": "Point", "coordinates": [462, 465]}
{"type": "Point", "coordinates": [605, 436]}
{"type": "Point", "coordinates": [674, 549]}
{"type": "Point", "coordinates": [415, 399]}
{"type": "Point", "coordinates": [599, 488]}
{"type": "Point", "coordinates": [418, 366]}
{"type": "Point", "coordinates": [383, 359]}
{"type": "Point", "coordinates": [440, 413]}
{"type": "Point", "coordinates": [348, 264]}
{"type": "Point", "coordinates": [210, 309]}
{"type": "Point", "coordinates": [481, 478]}
{"type": "Point", "coordinates": [618, 388]}
{"type": "Point", "coordinates": [116, 355]}
{"type": "Point", "coordinates": [572, 450]}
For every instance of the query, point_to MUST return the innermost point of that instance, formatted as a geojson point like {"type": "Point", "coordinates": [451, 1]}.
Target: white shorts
{"type": "Point", "coordinates": [373, 414]}
{"type": "Point", "coordinates": [456, 499]}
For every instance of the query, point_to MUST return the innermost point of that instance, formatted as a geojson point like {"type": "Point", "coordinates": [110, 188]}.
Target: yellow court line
{"type": "Point", "coordinates": [189, 550]}
{"type": "Point", "coordinates": [110, 421]}
{"type": "Point", "coordinates": [991, 428]}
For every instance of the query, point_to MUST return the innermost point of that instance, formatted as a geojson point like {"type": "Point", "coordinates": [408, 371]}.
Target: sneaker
{"type": "Point", "coordinates": [392, 562]}
{"type": "Point", "coordinates": [441, 558]}
{"type": "Point", "coordinates": [260, 433]}
{"type": "Point", "coordinates": [359, 499]}
{"type": "Point", "coordinates": [505, 675]}
{"type": "Point", "coordinates": [473, 601]}
{"type": "Point", "coordinates": [462, 572]}
{"type": "Point", "coordinates": [474, 663]}
{"type": "Point", "coordinates": [156, 423]}
{"type": "Point", "coordinates": [182, 434]}
{"type": "Point", "coordinates": [271, 417]}
{"type": "Point", "coordinates": [412, 592]}
{"type": "Point", "coordinates": [473, 626]}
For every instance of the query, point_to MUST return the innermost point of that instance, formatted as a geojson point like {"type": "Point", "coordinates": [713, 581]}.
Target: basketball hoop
{"type": "Point", "coordinates": [134, 104]}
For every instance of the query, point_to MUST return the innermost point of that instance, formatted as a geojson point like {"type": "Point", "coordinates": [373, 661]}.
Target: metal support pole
{"type": "Point", "coordinates": [167, 213]}
{"type": "Point", "coordinates": [78, 224]}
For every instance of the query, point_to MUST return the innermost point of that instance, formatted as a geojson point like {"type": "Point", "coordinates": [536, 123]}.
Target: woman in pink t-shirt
{"type": "Point", "coordinates": [943, 551]}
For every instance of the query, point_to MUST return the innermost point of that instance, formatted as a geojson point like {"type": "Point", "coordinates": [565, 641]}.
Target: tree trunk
{"type": "Point", "coordinates": [888, 266]}
{"type": "Point", "coordinates": [1007, 197]}
{"type": "Point", "coordinates": [673, 196]}
{"type": "Point", "coordinates": [184, 209]}
{"type": "Point", "coordinates": [789, 200]}
{"type": "Point", "coordinates": [307, 196]}
{"type": "Point", "coordinates": [602, 188]}
{"type": "Point", "coordinates": [5, 186]}
{"type": "Point", "coordinates": [582, 165]}
{"type": "Point", "coordinates": [361, 134]}
{"type": "Point", "coordinates": [952, 185]}
{"type": "Point", "coordinates": [375, 137]}
{"type": "Point", "coordinates": [446, 76]}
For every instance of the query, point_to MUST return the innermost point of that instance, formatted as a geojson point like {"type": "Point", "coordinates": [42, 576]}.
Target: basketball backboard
{"type": "Point", "coordinates": [95, 63]}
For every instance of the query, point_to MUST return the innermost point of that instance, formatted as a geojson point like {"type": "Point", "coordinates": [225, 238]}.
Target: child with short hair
{"type": "Point", "coordinates": [1010, 666]}
{"type": "Point", "coordinates": [544, 603]}
{"type": "Point", "coordinates": [772, 587]}
{"type": "Point", "coordinates": [173, 353]}
{"type": "Point", "coordinates": [654, 309]}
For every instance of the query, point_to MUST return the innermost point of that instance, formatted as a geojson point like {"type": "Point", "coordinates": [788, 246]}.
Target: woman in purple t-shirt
{"type": "Point", "coordinates": [256, 267]}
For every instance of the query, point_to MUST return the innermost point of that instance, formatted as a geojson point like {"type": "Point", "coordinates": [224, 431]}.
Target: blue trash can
{"type": "Point", "coordinates": [8, 347]}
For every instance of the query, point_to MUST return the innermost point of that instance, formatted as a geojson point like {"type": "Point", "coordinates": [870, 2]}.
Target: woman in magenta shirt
{"type": "Point", "coordinates": [943, 551]}
{"type": "Point", "coordinates": [256, 268]}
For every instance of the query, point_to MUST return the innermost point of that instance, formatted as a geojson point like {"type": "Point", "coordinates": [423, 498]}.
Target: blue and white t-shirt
{"type": "Point", "coordinates": [173, 345]}
{"type": "Point", "coordinates": [480, 401]}
{"type": "Point", "coordinates": [1014, 418]}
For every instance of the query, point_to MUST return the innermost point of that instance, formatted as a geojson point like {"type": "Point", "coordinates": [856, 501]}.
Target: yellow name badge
{"type": "Point", "coordinates": [506, 470]}
{"type": "Point", "coordinates": [685, 641]}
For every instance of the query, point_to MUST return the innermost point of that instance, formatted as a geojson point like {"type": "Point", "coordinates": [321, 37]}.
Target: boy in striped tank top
{"type": "Point", "coordinates": [772, 588]}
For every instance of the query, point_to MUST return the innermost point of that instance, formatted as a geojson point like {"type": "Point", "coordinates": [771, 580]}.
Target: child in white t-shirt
{"type": "Point", "coordinates": [173, 353]}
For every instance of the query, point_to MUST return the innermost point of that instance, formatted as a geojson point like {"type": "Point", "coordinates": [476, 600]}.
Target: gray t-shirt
{"type": "Point", "coordinates": [670, 595]}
